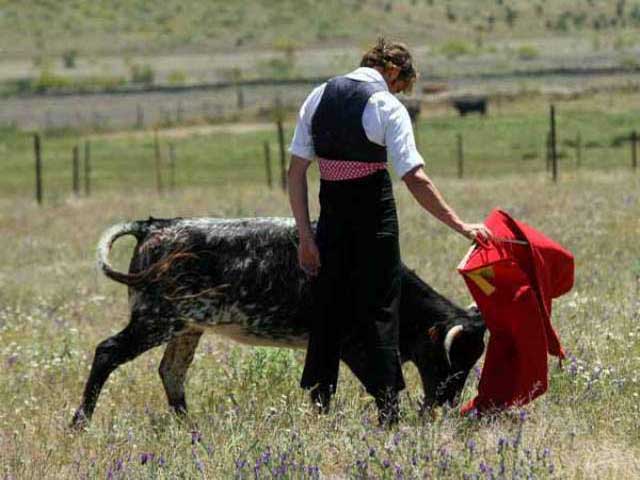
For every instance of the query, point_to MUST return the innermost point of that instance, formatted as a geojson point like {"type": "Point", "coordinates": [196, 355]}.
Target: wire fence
{"type": "Point", "coordinates": [470, 147]}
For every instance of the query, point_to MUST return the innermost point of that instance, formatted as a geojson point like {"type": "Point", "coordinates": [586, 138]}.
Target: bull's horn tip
{"type": "Point", "coordinates": [448, 340]}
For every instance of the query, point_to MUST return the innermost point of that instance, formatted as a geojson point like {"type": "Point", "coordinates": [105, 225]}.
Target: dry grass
{"type": "Point", "coordinates": [245, 403]}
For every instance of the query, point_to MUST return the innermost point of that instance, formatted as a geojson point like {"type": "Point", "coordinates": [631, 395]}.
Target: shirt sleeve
{"type": "Point", "coordinates": [387, 123]}
{"type": "Point", "coordinates": [302, 143]}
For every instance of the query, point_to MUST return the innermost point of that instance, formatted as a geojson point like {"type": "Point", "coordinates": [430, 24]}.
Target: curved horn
{"type": "Point", "coordinates": [448, 340]}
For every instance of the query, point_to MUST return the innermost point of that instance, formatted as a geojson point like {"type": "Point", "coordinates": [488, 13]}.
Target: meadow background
{"type": "Point", "coordinates": [248, 418]}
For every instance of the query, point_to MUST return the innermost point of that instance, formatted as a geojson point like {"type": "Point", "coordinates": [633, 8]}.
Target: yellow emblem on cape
{"type": "Point", "coordinates": [481, 278]}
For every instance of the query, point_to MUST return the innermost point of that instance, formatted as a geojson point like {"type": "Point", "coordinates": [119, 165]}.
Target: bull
{"type": "Point", "coordinates": [240, 279]}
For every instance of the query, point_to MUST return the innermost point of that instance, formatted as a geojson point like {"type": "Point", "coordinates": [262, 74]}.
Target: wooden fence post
{"type": "Point", "coordinates": [87, 168]}
{"type": "Point", "coordinates": [578, 150]}
{"type": "Point", "coordinates": [139, 117]}
{"type": "Point", "coordinates": [547, 156]}
{"type": "Point", "coordinates": [283, 166]}
{"type": "Point", "coordinates": [460, 156]}
{"type": "Point", "coordinates": [172, 166]}
{"type": "Point", "coordinates": [267, 162]}
{"type": "Point", "coordinates": [240, 97]}
{"type": "Point", "coordinates": [157, 161]}
{"type": "Point", "coordinates": [75, 170]}
{"type": "Point", "coordinates": [634, 150]}
{"type": "Point", "coordinates": [554, 154]}
{"type": "Point", "coordinates": [38, 156]}
{"type": "Point", "coordinates": [179, 112]}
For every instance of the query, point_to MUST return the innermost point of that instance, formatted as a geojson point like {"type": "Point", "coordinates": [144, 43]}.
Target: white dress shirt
{"type": "Point", "coordinates": [385, 120]}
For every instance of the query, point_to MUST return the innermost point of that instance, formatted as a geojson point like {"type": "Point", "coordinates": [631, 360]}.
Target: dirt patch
{"type": "Point", "coordinates": [190, 131]}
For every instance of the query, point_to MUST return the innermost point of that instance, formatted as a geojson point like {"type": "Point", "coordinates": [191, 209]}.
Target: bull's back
{"type": "Point", "coordinates": [237, 277]}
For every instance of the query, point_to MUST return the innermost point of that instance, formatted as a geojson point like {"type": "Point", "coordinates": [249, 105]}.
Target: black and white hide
{"type": "Point", "coordinates": [240, 278]}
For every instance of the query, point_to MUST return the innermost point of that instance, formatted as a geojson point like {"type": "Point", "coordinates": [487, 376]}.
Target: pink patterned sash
{"type": "Point", "coordinates": [347, 170]}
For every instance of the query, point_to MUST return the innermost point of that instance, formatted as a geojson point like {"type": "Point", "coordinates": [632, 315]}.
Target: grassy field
{"type": "Point", "coordinates": [133, 27]}
{"type": "Point", "coordinates": [248, 417]}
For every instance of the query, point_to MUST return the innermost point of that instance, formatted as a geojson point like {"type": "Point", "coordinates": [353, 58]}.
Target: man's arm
{"type": "Point", "coordinates": [430, 198]}
{"type": "Point", "coordinates": [308, 255]}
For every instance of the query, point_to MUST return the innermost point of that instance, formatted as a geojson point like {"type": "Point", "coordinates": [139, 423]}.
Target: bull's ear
{"type": "Point", "coordinates": [434, 334]}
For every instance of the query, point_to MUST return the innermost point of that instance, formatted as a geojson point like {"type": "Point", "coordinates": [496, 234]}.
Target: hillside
{"type": "Point", "coordinates": [48, 27]}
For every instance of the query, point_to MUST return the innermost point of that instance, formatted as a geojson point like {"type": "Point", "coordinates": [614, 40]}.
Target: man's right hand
{"type": "Point", "coordinates": [476, 231]}
{"type": "Point", "coordinates": [309, 257]}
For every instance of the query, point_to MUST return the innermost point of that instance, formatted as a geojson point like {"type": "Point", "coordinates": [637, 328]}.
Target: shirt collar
{"type": "Point", "coordinates": [367, 74]}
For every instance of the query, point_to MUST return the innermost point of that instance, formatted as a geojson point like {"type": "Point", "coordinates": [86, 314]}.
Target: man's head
{"type": "Point", "coordinates": [394, 62]}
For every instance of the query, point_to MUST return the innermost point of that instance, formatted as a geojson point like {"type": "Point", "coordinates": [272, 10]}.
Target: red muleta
{"type": "Point", "coordinates": [513, 281]}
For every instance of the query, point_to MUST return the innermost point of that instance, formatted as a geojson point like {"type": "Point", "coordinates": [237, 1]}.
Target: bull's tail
{"type": "Point", "coordinates": [137, 229]}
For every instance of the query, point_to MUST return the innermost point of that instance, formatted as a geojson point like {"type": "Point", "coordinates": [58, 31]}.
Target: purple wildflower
{"type": "Point", "coordinates": [196, 437]}
{"type": "Point", "coordinates": [146, 458]}
{"type": "Point", "coordinates": [11, 361]}
{"type": "Point", "coordinates": [386, 463]}
{"type": "Point", "coordinates": [523, 416]}
{"type": "Point", "coordinates": [266, 456]}
{"type": "Point", "coordinates": [372, 452]}
{"type": "Point", "coordinates": [471, 446]}
{"type": "Point", "coordinates": [502, 443]}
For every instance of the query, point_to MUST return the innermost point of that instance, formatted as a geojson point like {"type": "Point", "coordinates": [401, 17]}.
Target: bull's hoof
{"type": "Point", "coordinates": [80, 421]}
{"type": "Point", "coordinates": [321, 400]}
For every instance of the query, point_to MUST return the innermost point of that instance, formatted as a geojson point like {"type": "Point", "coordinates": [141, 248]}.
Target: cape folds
{"type": "Point", "coordinates": [513, 280]}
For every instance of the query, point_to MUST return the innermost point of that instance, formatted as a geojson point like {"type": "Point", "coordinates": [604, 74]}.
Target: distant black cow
{"type": "Point", "coordinates": [469, 104]}
{"type": "Point", "coordinates": [413, 108]}
{"type": "Point", "coordinates": [240, 278]}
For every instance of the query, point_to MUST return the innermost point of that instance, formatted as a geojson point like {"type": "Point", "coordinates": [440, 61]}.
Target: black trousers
{"type": "Point", "coordinates": [357, 290]}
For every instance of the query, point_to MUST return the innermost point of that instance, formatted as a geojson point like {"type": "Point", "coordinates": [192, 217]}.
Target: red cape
{"type": "Point", "coordinates": [513, 284]}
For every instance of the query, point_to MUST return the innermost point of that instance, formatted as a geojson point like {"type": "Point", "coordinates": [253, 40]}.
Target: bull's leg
{"type": "Point", "coordinates": [174, 365]}
{"type": "Point", "coordinates": [136, 338]}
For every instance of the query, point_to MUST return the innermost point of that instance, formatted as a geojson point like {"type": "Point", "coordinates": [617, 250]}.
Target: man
{"type": "Point", "coordinates": [349, 124]}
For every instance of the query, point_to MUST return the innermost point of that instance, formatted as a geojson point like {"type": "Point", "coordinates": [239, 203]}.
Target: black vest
{"type": "Point", "coordinates": [336, 126]}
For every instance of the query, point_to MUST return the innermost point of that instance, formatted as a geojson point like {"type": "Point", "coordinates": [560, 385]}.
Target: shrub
{"type": "Point", "coordinates": [69, 58]}
{"type": "Point", "coordinates": [634, 15]}
{"type": "Point", "coordinates": [451, 16]}
{"type": "Point", "coordinates": [143, 74]}
{"type": "Point", "coordinates": [510, 16]}
{"type": "Point", "coordinates": [48, 80]}
{"type": "Point", "coordinates": [629, 62]}
{"type": "Point", "coordinates": [528, 52]}
{"type": "Point", "coordinates": [455, 48]}
{"type": "Point", "coordinates": [177, 77]}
